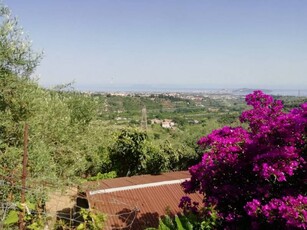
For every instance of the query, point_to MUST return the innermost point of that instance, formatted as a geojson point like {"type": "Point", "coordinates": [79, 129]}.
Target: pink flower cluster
{"type": "Point", "coordinates": [266, 162]}
{"type": "Point", "coordinates": [187, 205]}
{"type": "Point", "coordinates": [292, 211]}
{"type": "Point", "coordinates": [277, 136]}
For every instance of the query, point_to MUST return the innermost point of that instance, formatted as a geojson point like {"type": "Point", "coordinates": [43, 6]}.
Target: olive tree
{"type": "Point", "coordinates": [17, 63]}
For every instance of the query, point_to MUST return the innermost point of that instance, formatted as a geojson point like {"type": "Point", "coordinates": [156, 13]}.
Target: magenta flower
{"type": "Point", "coordinates": [259, 172]}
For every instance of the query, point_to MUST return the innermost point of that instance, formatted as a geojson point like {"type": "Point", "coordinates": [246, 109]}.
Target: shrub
{"type": "Point", "coordinates": [255, 177]}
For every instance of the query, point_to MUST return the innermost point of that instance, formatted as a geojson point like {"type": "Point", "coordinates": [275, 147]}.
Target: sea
{"type": "Point", "coordinates": [234, 91]}
{"type": "Point", "coordinates": [180, 89]}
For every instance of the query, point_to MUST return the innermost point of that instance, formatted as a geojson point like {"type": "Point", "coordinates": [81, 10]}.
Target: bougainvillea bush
{"type": "Point", "coordinates": [254, 177]}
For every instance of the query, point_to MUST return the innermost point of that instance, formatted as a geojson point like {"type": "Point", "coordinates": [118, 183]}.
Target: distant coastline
{"type": "Point", "coordinates": [180, 89]}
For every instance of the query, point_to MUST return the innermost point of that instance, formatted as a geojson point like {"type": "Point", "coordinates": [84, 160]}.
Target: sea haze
{"type": "Point", "coordinates": [187, 89]}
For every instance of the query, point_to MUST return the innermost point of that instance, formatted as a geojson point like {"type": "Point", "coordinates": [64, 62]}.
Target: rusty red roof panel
{"type": "Point", "coordinates": [137, 202]}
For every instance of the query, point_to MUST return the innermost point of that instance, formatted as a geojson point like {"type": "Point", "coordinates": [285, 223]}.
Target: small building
{"type": "Point", "coordinates": [138, 202]}
{"type": "Point", "coordinates": [168, 124]}
{"type": "Point", "coordinates": [213, 109]}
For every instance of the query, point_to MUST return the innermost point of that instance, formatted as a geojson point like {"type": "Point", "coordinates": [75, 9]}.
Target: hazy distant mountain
{"type": "Point", "coordinates": [249, 90]}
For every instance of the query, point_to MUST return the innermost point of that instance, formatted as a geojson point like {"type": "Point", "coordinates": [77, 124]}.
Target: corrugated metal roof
{"type": "Point", "coordinates": [137, 202]}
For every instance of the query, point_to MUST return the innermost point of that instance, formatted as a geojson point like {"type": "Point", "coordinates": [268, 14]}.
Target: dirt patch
{"type": "Point", "coordinates": [60, 200]}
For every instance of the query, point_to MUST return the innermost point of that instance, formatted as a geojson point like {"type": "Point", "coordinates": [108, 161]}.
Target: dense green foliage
{"type": "Point", "coordinates": [189, 221]}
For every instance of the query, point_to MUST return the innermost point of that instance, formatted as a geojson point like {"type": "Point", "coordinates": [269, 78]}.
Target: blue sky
{"type": "Point", "coordinates": [216, 43]}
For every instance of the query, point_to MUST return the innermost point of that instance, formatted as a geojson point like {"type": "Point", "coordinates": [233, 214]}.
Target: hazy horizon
{"type": "Point", "coordinates": [164, 88]}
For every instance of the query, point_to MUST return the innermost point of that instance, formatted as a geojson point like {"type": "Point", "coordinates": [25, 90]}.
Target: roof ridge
{"type": "Point", "coordinates": [131, 187]}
